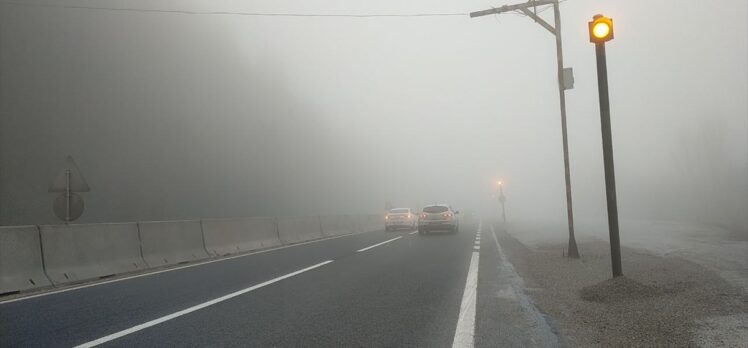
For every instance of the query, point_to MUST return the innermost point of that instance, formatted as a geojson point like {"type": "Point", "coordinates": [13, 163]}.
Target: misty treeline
{"type": "Point", "coordinates": [173, 117]}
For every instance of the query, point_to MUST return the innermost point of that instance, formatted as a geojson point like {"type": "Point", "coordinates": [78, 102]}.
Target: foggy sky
{"type": "Point", "coordinates": [180, 116]}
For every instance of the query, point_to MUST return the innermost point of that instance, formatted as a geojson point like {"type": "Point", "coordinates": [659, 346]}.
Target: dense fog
{"type": "Point", "coordinates": [178, 116]}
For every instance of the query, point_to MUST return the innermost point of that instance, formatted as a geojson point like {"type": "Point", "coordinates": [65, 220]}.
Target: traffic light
{"type": "Point", "coordinates": [601, 29]}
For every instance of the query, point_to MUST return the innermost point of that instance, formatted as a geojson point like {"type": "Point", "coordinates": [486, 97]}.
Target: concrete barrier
{"type": "Point", "coordinates": [299, 229]}
{"type": "Point", "coordinates": [171, 242]}
{"type": "Point", "coordinates": [335, 225]}
{"type": "Point", "coordinates": [79, 252]}
{"type": "Point", "coordinates": [21, 265]}
{"type": "Point", "coordinates": [354, 223]}
{"type": "Point", "coordinates": [375, 222]}
{"type": "Point", "coordinates": [228, 236]}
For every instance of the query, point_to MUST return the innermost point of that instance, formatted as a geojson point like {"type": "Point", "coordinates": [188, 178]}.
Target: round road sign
{"type": "Point", "coordinates": [60, 207]}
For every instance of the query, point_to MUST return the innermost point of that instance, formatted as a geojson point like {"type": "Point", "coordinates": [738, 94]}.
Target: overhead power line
{"type": "Point", "coordinates": [233, 13]}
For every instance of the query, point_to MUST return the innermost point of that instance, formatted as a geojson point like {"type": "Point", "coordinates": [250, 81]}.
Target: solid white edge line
{"type": "Point", "coordinates": [378, 244]}
{"type": "Point", "coordinates": [194, 308]}
{"type": "Point", "coordinates": [465, 331]}
{"type": "Point", "coordinates": [199, 263]}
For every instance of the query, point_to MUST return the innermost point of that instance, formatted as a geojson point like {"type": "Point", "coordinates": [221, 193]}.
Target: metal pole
{"type": "Point", "coordinates": [610, 177]}
{"type": "Point", "coordinates": [502, 199]}
{"type": "Point", "coordinates": [2, 216]}
{"type": "Point", "coordinates": [67, 195]}
{"type": "Point", "coordinates": [573, 250]}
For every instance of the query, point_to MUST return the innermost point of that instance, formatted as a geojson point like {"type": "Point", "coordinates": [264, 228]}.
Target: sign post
{"type": "Point", "coordinates": [68, 206]}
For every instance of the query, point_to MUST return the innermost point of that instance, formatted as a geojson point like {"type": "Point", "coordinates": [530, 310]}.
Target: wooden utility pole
{"type": "Point", "coordinates": [556, 31]}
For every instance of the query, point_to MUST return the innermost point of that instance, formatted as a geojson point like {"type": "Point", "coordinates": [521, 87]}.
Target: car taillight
{"type": "Point", "coordinates": [386, 217]}
{"type": "Point", "coordinates": [423, 215]}
{"type": "Point", "coordinates": [447, 215]}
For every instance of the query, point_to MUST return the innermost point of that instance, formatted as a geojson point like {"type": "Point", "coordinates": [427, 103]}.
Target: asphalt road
{"type": "Point", "coordinates": [349, 291]}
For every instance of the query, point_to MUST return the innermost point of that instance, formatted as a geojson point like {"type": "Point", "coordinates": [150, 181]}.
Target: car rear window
{"type": "Point", "coordinates": [399, 211]}
{"type": "Point", "coordinates": [435, 209]}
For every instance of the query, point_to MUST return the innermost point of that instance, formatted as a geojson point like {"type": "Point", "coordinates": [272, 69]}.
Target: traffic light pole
{"type": "Point", "coordinates": [556, 31]}
{"type": "Point", "coordinates": [601, 31]}
{"type": "Point", "coordinates": [502, 200]}
{"type": "Point", "coordinates": [610, 175]}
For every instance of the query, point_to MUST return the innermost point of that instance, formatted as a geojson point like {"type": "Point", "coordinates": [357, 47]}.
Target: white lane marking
{"type": "Point", "coordinates": [378, 244]}
{"type": "Point", "coordinates": [414, 232]}
{"type": "Point", "coordinates": [195, 308]}
{"type": "Point", "coordinates": [465, 332]}
{"type": "Point", "coordinates": [475, 248]}
{"type": "Point", "coordinates": [200, 263]}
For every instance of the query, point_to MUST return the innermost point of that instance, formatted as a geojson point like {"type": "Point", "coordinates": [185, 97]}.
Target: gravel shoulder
{"type": "Point", "coordinates": [661, 301]}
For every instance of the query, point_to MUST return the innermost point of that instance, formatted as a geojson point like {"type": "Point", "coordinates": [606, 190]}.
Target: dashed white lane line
{"type": "Point", "coordinates": [148, 274]}
{"type": "Point", "coordinates": [378, 244]}
{"type": "Point", "coordinates": [414, 232]}
{"type": "Point", "coordinates": [465, 332]}
{"type": "Point", "coordinates": [195, 308]}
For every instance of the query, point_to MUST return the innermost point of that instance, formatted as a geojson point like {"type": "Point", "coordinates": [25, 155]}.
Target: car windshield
{"type": "Point", "coordinates": [399, 211]}
{"type": "Point", "coordinates": [435, 209]}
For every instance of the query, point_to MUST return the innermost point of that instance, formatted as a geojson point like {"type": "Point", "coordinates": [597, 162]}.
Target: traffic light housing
{"type": "Point", "coordinates": [601, 29]}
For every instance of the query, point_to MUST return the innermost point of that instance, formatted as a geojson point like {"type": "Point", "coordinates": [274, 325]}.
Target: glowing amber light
{"type": "Point", "coordinates": [601, 30]}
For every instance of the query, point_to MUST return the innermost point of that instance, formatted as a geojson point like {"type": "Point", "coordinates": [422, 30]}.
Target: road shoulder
{"type": "Point", "coordinates": [506, 317]}
{"type": "Point", "coordinates": [661, 301]}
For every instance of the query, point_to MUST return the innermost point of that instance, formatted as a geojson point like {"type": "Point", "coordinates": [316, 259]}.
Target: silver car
{"type": "Point", "coordinates": [438, 217]}
{"type": "Point", "coordinates": [400, 218]}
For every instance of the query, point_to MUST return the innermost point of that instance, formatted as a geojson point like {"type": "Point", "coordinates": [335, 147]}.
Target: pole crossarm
{"type": "Point", "coordinates": [509, 8]}
{"type": "Point", "coordinates": [539, 20]}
